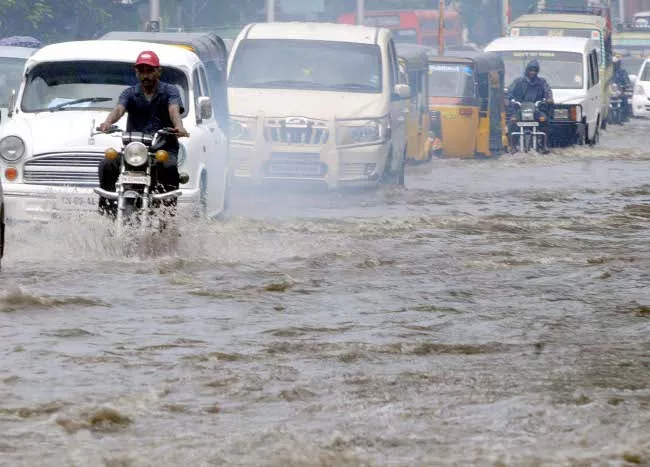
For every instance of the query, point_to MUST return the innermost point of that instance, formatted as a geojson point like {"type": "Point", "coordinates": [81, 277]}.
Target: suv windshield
{"type": "Point", "coordinates": [562, 70]}
{"type": "Point", "coordinates": [49, 85]}
{"type": "Point", "coordinates": [307, 64]}
{"type": "Point", "coordinates": [11, 72]}
{"type": "Point", "coordinates": [451, 80]}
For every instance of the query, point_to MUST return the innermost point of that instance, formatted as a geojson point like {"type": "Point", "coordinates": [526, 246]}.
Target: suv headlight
{"type": "Point", "coordinates": [561, 114]}
{"type": "Point", "coordinates": [242, 129]}
{"type": "Point", "coordinates": [136, 154]}
{"type": "Point", "coordinates": [374, 130]}
{"type": "Point", "coordinates": [12, 148]}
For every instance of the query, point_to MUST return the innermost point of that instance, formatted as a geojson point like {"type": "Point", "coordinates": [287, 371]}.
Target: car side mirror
{"type": "Point", "coordinates": [205, 108]}
{"type": "Point", "coordinates": [12, 102]}
{"type": "Point", "coordinates": [402, 91]}
{"type": "Point", "coordinates": [633, 79]}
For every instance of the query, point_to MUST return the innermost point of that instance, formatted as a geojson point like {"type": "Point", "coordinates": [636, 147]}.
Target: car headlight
{"type": "Point", "coordinates": [561, 114]}
{"type": "Point", "coordinates": [12, 148]}
{"type": "Point", "coordinates": [241, 130]}
{"type": "Point", "coordinates": [362, 131]}
{"type": "Point", "coordinates": [136, 154]}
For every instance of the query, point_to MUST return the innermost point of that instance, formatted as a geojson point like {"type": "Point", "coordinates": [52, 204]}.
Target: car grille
{"type": "Point", "coordinates": [296, 130]}
{"type": "Point", "coordinates": [357, 170]}
{"type": "Point", "coordinates": [70, 169]}
{"type": "Point", "coordinates": [295, 165]}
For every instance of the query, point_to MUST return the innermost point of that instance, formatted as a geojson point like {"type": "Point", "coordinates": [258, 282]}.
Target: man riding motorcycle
{"type": "Point", "coordinates": [151, 105]}
{"type": "Point", "coordinates": [531, 88]}
{"type": "Point", "coordinates": [622, 79]}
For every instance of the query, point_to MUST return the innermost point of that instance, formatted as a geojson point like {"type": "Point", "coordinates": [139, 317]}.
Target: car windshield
{"type": "Point", "coordinates": [409, 36]}
{"type": "Point", "coordinates": [51, 84]}
{"type": "Point", "coordinates": [11, 72]}
{"type": "Point", "coordinates": [562, 70]}
{"type": "Point", "coordinates": [307, 64]}
{"type": "Point", "coordinates": [451, 80]}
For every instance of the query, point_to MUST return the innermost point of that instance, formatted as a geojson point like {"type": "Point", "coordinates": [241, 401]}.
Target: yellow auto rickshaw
{"type": "Point", "coordinates": [414, 71]}
{"type": "Point", "coordinates": [469, 94]}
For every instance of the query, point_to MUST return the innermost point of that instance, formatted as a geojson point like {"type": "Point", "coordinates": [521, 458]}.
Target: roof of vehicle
{"type": "Point", "coordinates": [642, 13]}
{"type": "Point", "coordinates": [554, 44]}
{"type": "Point", "coordinates": [565, 20]}
{"type": "Point", "coordinates": [483, 61]}
{"type": "Point", "coordinates": [9, 51]}
{"type": "Point", "coordinates": [416, 56]}
{"type": "Point", "coordinates": [313, 32]}
{"type": "Point", "coordinates": [204, 44]}
{"type": "Point", "coordinates": [112, 51]}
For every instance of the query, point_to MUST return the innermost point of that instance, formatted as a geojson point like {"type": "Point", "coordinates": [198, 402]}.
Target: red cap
{"type": "Point", "coordinates": [148, 58]}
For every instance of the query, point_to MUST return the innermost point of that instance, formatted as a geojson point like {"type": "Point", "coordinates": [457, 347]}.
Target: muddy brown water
{"type": "Point", "coordinates": [493, 313]}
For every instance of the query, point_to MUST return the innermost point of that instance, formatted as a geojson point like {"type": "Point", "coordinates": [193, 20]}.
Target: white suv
{"type": "Point", "coordinates": [317, 102]}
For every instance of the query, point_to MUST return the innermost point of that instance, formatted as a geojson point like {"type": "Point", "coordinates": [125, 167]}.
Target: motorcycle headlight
{"type": "Point", "coordinates": [136, 154]}
{"type": "Point", "coordinates": [12, 148]}
{"type": "Point", "coordinates": [362, 131]}
{"type": "Point", "coordinates": [561, 114]}
{"type": "Point", "coordinates": [528, 115]}
{"type": "Point", "coordinates": [241, 130]}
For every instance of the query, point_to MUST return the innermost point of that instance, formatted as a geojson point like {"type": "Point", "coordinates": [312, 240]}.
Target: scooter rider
{"type": "Point", "coordinates": [531, 88]}
{"type": "Point", "coordinates": [151, 106]}
{"type": "Point", "coordinates": [622, 79]}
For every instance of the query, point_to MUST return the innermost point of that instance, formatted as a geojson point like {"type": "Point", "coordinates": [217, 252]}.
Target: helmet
{"type": "Point", "coordinates": [615, 60]}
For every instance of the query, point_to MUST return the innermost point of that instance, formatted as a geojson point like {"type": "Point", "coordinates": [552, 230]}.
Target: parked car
{"type": "Point", "coordinates": [317, 102]}
{"type": "Point", "coordinates": [48, 158]}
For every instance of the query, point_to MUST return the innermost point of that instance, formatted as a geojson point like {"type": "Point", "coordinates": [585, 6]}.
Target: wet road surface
{"type": "Point", "coordinates": [493, 313]}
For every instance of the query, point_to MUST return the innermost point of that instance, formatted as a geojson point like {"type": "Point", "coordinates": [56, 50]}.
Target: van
{"type": "Point", "coordinates": [589, 26]}
{"type": "Point", "coordinates": [570, 66]}
{"type": "Point", "coordinates": [317, 102]}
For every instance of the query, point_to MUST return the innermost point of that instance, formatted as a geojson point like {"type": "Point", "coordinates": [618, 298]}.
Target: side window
{"type": "Point", "coordinates": [596, 70]}
{"type": "Point", "coordinates": [204, 83]}
{"type": "Point", "coordinates": [392, 65]}
{"type": "Point", "coordinates": [196, 83]}
{"type": "Point", "coordinates": [413, 79]}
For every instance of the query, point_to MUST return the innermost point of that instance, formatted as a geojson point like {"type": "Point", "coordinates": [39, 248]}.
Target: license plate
{"type": "Point", "coordinates": [73, 203]}
{"type": "Point", "coordinates": [134, 179]}
{"type": "Point", "coordinates": [528, 124]}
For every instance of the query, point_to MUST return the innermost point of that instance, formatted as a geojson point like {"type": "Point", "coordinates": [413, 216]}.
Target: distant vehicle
{"type": "Point", "coordinates": [405, 25]}
{"type": "Point", "coordinates": [429, 22]}
{"type": "Point", "coordinates": [640, 101]}
{"type": "Point", "coordinates": [12, 65]}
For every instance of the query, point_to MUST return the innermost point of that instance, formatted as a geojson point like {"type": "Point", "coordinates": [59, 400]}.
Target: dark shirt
{"type": "Point", "coordinates": [524, 90]}
{"type": "Point", "coordinates": [150, 116]}
{"type": "Point", "coordinates": [622, 78]}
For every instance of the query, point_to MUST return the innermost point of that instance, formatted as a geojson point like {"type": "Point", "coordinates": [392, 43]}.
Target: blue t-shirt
{"type": "Point", "coordinates": [150, 116]}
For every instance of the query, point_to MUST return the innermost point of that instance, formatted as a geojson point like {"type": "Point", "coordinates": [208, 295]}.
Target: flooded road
{"type": "Point", "coordinates": [493, 313]}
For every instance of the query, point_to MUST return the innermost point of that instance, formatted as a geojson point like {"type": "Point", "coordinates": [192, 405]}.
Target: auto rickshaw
{"type": "Point", "coordinates": [469, 94]}
{"type": "Point", "coordinates": [422, 138]}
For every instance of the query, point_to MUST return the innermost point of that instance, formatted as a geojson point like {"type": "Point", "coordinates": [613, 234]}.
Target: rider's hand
{"type": "Point", "coordinates": [549, 101]}
{"type": "Point", "coordinates": [104, 127]}
{"type": "Point", "coordinates": [181, 132]}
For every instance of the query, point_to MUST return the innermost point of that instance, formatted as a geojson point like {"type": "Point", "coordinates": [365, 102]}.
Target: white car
{"type": "Point", "coordinates": [12, 64]}
{"type": "Point", "coordinates": [641, 96]}
{"type": "Point", "coordinates": [48, 159]}
{"type": "Point", "coordinates": [317, 102]}
{"type": "Point", "coordinates": [570, 66]}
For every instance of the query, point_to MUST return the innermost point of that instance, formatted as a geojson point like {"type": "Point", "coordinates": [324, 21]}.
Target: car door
{"type": "Point", "coordinates": [593, 92]}
{"type": "Point", "coordinates": [399, 109]}
{"type": "Point", "coordinates": [212, 140]}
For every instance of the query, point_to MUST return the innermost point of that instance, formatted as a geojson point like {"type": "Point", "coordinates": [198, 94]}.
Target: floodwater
{"type": "Point", "coordinates": [493, 313]}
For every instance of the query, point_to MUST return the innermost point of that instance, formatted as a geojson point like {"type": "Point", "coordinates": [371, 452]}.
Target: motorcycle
{"type": "Point", "coordinates": [135, 193]}
{"type": "Point", "coordinates": [627, 110]}
{"type": "Point", "coordinates": [616, 109]}
{"type": "Point", "coordinates": [528, 122]}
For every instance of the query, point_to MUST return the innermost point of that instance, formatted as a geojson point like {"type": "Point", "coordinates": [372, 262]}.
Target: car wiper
{"type": "Point", "coordinates": [80, 101]}
{"type": "Point", "coordinates": [289, 82]}
{"type": "Point", "coordinates": [365, 87]}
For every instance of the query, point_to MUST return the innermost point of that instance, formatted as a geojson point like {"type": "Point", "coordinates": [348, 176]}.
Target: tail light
{"type": "Point", "coordinates": [466, 111]}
